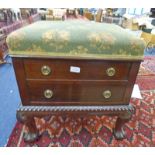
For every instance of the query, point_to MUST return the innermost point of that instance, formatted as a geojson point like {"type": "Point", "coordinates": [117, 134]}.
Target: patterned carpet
{"type": "Point", "coordinates": [146, 82]}
{"type": "Point", "coordinates": [149, 63]}
{"type": "Point", "coordinates": [94, 130]}
{"type": "Point", "coordinates": [146, 75]}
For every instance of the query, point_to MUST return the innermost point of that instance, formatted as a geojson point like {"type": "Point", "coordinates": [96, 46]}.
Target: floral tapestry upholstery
{"type": "Point", "coordinates": [75, 39]}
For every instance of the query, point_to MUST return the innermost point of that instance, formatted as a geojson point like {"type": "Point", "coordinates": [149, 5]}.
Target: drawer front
{"type": "Point", "coordinates": [75, 92]}
{"type": "Point", "coordinates": [76, 69]}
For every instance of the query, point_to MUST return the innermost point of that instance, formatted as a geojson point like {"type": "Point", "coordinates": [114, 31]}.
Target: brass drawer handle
{"type": "Point", "coordinates": [45, 70]}
{"type": "Point", "coordinates": [48, 93]}
{"type": "Point", "coordinates": [111, 71]}
{"type": "Point", "coordinates": [107, 94]}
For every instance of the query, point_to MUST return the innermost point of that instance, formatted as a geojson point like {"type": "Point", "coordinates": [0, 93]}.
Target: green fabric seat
{"type": "Point", "coordinates": [75, 38]}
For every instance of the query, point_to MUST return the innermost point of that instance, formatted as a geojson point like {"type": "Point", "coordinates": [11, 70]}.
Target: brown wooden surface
{"type": "Point", "coordinates": [132, 78]}
{"type": "Point", "coordinates": [1, 55]}
{"type": "Point", "coordinates": [74, 92]}
{"type": "Point", "coordinates": [74, 89]}
{"type": "Point", "coordinates": [89, 69]}
{"type": "Point", "coordinates": [84, 88]}
{"type": "Point", "coordinates": [21, 81]}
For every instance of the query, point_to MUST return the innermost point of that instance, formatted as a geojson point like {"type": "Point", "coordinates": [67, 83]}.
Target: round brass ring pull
{"type": "Point", "coordinates": [45, 70]}
{"type": "Point", "coordinates": [48, 93]}
{"type": "Point", "coordinates": [107, 94]}
{"type": "Point", "coordinates": [111, 71]}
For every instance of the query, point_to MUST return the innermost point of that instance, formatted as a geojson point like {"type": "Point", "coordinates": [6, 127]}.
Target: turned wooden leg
{"type": "Point", "coordinates": [119, 133]}
{"type": "Point", "coordinates": [32, 134]}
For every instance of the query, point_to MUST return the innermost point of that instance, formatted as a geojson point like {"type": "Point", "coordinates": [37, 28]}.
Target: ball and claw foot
{"type": "Point", "coordinates": [32, 134]}
{"type": "Point", "coordinates": [119, 135]}
{"type": "Point", "coordinates": [30, 137]}
{"type": "Point", "coordinates": [118, 131]}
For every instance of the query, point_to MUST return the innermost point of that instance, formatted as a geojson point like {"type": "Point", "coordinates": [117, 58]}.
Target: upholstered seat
{"type": "Point", "coordinates": [75, 39]}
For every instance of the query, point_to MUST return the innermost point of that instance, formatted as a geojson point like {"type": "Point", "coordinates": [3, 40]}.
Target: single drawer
{"type": "Point", "coordinates": [75, 92]}
{"type": "Point", "coordinates": [76, 69]}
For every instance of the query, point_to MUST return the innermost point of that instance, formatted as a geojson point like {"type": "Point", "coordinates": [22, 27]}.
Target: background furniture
{"type": "Point", "coordinates": [51, 14]}
{"type": "Point", "coordinates": [3, 21]}
{"type": "Point", "coordinates": [3, 49]}
{"type": "Point", "coordinates": [98, 17]}
{"type": "Point", "coordinates": [6, 17]}
{"type": "Point", "coordinates": [114, 20]}
{"type": "Point", "coordinates": [114, 17]}
{"type": "Point", "coordinates": [88, 15]}
{"type": "Point", "coordinates": [25, 13]}
{"type": "Point", "coordinates": [71, 12]}
{"type": "Point", "coordinates": [149, 38]}
{"type": "Point", "coordinates": [130, 23]}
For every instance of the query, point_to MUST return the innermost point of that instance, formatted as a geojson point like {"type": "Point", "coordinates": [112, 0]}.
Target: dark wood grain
{"type": "Point", "coordinates": [74, 89]}
{"type": "Point", "coordinates": [74, 92]}
{"type": "Point", "coordinates": [89, 69]}
{"type": "Point", "coordinates": [132, 78]}
{"type": "Point", "coordinates": [21, 80]}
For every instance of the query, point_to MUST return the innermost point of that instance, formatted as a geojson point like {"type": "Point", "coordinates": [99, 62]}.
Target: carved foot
{"type": "Point", "coordinates": [29, 121]}
{"type": "Point", "coordinates": [30, 137]}
{"type": "Point", "coordinates": [119, 133]}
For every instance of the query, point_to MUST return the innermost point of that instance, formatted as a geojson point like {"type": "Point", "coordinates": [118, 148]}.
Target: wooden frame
{"type": "Point", "coordinates": [29, 110]}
